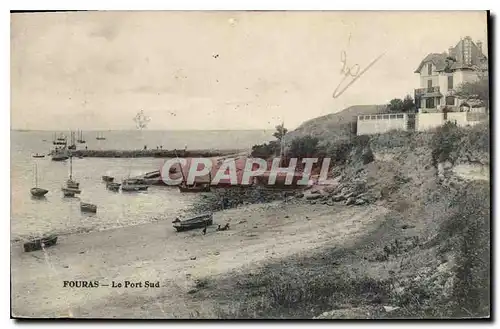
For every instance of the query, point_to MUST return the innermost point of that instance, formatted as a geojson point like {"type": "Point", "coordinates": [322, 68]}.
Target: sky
{"type": "Point", "coordinates": [216, 70]}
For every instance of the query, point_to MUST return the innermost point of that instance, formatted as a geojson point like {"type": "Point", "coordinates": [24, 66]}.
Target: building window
{"type": "Point", "coordinates": [450, 82]}
{"type": "Point", "coordinates": [429, 69]}
{"type": "Point", "coordinates": [392, 116]}
{"type": "Point", "coordinates": [429, 103]}
{"type": "Point", "coordinates": [429, 83]}
{"type": "Point", "coordinates": [361, 118]}
{"type": "Point", "coordinates": [373, 117]}
{"type": "Point", "coordinates": [400, 116]}
{"type": "Point", "coordinates": [450, 100]}
{"type": "Point", "coordinates": [386, 116]}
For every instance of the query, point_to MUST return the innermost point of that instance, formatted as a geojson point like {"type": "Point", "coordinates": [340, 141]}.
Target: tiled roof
{"type": "Point", "coordinates": [439, 60]}
{"type": "Point", "coordinates": [456, 58]}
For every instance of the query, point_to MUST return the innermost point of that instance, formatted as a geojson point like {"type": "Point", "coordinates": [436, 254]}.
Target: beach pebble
{"type": "Point", "coordinates": [66, 266]}
{"type": "Point", "coordinates": [287, 216]}
{"type": "Point", "coordinates": [193, 257]}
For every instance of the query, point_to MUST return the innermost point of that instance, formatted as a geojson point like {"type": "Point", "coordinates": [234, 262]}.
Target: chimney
{"type": "Point", "coordinates": [450, 52]}
{"type": "Point", "coordinates": [479, 46]}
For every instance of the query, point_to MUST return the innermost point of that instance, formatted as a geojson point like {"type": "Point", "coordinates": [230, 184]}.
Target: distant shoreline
{"type": "Point", "coordinates": [150, 130]}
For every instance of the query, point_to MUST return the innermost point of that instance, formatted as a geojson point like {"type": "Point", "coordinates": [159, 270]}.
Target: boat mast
{"type": "Point", "coordinates": [36, 175]}
{"type": "Point", "coordinates": [180, 166]}
{"type": "Point", "coordinates": [70, 166]}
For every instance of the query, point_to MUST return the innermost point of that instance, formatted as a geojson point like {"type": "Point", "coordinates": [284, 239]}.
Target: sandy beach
{"type": "Point", "coordinates": [156, 253]}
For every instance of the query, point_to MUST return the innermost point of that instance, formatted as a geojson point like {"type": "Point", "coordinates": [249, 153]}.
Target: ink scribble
{"type": "Point", "coordinates": [351, 72]}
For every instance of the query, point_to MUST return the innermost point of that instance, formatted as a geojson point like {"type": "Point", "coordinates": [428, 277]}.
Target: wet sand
{"type": "Point", "coordinates": [154, 252]}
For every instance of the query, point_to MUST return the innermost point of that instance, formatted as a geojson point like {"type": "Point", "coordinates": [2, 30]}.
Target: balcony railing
{"type": "Point", "coordinates": [422, 91]}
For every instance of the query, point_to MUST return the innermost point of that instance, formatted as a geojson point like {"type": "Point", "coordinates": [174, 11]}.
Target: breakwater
{"type": "Point", "coordinates": [152, 153]}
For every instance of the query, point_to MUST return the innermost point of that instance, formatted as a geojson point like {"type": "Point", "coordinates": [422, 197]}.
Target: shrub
{"type": "Point", "coordinates": [466, 230]}
{"type": "Point", "coordinates": [471, 290]}
{"type": "Point", "coordinates": [446, 142]}
{"type": "Point", "coordinates": [339, 152]}
{"type": "Point", "coordinates": [304, 147]}
{"type": "Point", "coordinates": [265, 150]}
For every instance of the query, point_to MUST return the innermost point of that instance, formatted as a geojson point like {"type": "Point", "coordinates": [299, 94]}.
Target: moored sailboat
{"type": "Point", "coordinates": [60, 154]}
{"type": "Point", "coordinates": [100, 137]}
{"type": "Point", "coordinates": [80, 138]}
{"type": "Point", "coordinates": [72, 186]}
{"type": "Point", "coordinates": [72, 144]}
{"type": "Point", "coordinates": [61, 140]}
{"type": "Point", "coordinates": [37, 191]}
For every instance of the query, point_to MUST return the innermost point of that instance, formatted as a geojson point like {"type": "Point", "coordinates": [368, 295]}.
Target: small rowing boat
{"type": "Point", "coordinates": [39, 244]}
{"type": "Point", "coordinates": [199, 221]}
{"type": "Point", "coordinates": [108, 179]}
{"type": "Point", "coordinates": [88, 207]}
{"type": "Point", "coordinates": [113, 186]}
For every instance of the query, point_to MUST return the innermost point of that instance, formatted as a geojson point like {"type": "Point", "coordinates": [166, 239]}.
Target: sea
{"type": "Point", "coordinates": [31, 217]}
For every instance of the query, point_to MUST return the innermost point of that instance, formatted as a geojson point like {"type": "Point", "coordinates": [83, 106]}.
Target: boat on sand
{"type": "Point", "coordinates": [199, 221]}
{"type": "Point", "coordinates": [113, 186]}
{"type": "Point", "coordinates": [39, 244]}
{"type": "Point", "coordinates": [88, 207]}
{"type": "Point", "coordinates": [134, 185]}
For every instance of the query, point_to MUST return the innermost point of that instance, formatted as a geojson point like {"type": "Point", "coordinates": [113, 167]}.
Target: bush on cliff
{"type": "Point", "coordinates": [445, 143]}
{"type": "Point", "coordinates": [266, 150]}
{"type": "Point", "coordinates": [304, 147]}
{"type": "Point", "coordinates": [468, 228]}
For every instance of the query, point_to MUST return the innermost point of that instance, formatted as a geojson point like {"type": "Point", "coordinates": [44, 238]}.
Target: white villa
{"type": "Point", "coordinates": [435, 99]}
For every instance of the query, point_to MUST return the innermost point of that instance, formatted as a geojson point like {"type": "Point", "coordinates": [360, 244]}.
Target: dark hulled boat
{"type": "Point", "coordinates": [134, 185]}
{"type": "Point", "coordinates": [113, 186]}
{"type": "Point", "coordinates": [199, 221]}
{"type": "Point", "coordinates": [38, 192]}
{"type": "Point", "coordinates": [88, 207]}
{"type": "Point", "coordinates": [108, 179]}
{"type": "Point", "coordinates": [183, 188]}
{"type": "Point", "coordinates": [39, 244]}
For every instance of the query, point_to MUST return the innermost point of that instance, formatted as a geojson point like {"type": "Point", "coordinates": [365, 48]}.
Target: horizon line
{"type": "Point", "coordinates": [102, 130]}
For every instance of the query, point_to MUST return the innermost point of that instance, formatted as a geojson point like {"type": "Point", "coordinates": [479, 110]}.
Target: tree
{"type": "Point", "coordinates": [267, 150]}
{"type": "Point", "coordinates": [478, 91]}
{"type": "Point", "coordinates": [280, 132]}
{"type": "Point", "coordinates": [398, 105]}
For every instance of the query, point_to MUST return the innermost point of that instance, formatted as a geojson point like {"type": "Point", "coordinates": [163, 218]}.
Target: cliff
{"type": "Point", "coordinates": [336, 125]}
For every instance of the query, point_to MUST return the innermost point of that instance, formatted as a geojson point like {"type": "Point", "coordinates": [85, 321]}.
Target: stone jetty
{"type": "Point", "coordinates": [152, 153]}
